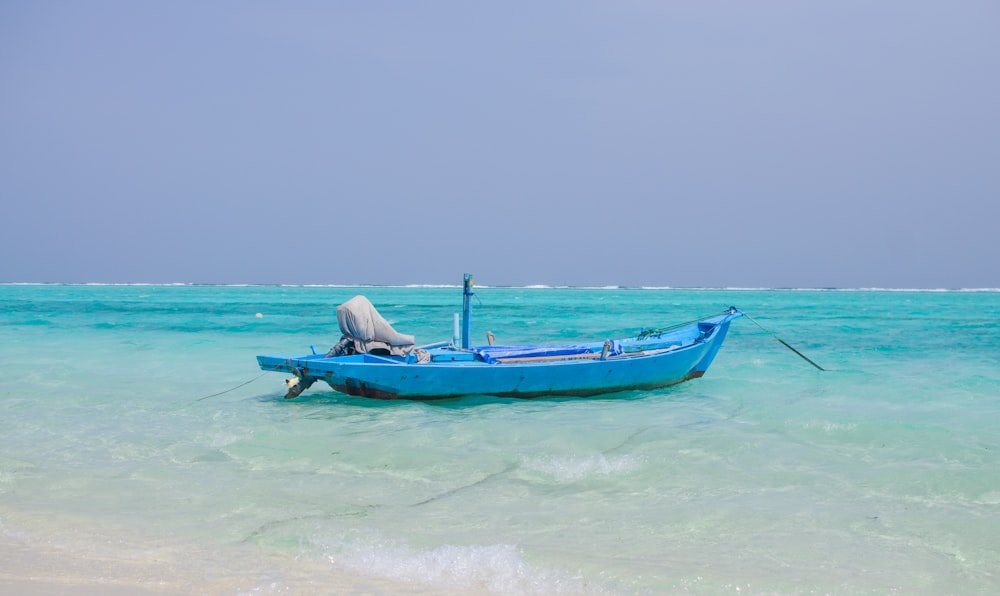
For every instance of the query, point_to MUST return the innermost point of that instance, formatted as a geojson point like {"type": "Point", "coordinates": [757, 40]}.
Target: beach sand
{"type": "Point", "coordinates": [35, 572]}
{"type": "Point", "coordinates": [32, 571]}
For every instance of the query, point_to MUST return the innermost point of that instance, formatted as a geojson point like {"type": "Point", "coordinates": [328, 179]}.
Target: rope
{"type": "Point", "coordinates": [645, 333]}
{"type": "Point", "coordinates": [234, 388]}
{"type": "Point", "coordinates": [783, 342]}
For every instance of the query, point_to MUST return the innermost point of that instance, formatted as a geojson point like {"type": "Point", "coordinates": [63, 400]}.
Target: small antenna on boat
{"type": "Point", "coordinates": [783, 342]}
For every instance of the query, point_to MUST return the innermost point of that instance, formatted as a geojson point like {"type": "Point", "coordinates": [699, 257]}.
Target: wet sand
{"type": "Point", "coordinates": [27, 570]}
{"type": "Point", "coordinates": [35, 572]}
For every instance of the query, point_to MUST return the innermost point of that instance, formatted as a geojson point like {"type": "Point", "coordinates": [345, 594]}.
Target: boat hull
{"type": "Point", "coordinates": [670, 358]}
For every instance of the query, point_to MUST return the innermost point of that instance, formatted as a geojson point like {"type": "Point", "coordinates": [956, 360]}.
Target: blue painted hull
{"type": "Point", "coordinates": [659, 360]}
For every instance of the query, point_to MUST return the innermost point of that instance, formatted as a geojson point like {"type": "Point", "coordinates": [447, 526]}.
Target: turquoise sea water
{"type": "Point", "coordinates": [881, 475]}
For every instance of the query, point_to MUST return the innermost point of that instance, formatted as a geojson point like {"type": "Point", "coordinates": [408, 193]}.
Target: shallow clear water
{"type": "Point", "coordinates": [766, 475]}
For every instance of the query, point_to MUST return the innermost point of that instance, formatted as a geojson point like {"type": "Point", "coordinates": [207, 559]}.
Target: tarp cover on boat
{"type": "Point", "coordinates": [365, 331]}
{"type": "Point", "coordinates": [496, 354]}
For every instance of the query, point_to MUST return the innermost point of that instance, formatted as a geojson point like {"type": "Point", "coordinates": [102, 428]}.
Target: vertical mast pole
{"type": "Point", "coordinates": [466, 310]}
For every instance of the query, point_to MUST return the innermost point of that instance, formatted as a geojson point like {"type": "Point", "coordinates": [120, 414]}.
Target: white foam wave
{"type": "Point", "coordinates": [496, 569]}
{"type": "Point", "coordinates": [830, 427]}
{"type": "Point", "coordinates": [571, 469]}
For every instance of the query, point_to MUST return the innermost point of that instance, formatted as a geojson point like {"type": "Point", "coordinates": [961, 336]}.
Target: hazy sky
{"type": "Point", "coordinates": [752, 144]}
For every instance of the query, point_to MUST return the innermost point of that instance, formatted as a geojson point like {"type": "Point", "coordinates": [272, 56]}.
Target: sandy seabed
{"type": "Point", "coordinates": [33, 571]}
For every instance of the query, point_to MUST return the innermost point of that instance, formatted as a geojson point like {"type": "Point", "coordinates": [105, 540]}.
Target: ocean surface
{"type": "Point", "coordinates": [141, 449]}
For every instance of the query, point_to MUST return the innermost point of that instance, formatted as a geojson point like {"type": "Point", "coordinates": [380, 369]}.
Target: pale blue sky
{"type": "Point", "coordinates": [751, 144]}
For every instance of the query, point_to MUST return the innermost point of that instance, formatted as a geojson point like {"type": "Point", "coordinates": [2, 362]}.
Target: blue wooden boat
{"type": "Point", "coordinates": [368, 364]}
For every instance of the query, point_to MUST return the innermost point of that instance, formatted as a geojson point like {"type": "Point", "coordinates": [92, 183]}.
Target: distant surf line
{"type": "Point", "coordinates": [497, 287]}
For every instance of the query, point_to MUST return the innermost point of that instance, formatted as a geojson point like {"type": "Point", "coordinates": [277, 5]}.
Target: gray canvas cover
{"type": "Point", "coordinates": [362, 325]}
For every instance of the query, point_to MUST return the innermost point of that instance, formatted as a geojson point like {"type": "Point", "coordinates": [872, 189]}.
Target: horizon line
{"type": "Point", "coordinates": [517, 287]}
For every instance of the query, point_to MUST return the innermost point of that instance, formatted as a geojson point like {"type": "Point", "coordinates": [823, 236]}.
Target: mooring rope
{"type": "Point", "coordinates": [234, 388]}
{"type": "Point", "coordinates": [646, 333]}
{"type": "Point", "coordinates": [772, 334]}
